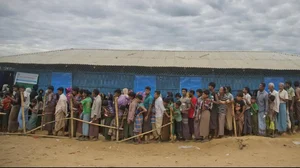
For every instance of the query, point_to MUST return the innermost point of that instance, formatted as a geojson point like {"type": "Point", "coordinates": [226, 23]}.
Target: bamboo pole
{"type": "Point", "coordinates": [117, 118]}
{"type": "Point", "coordinates": [171, 126]}
{"type": "Point", "coordinates": [45, 124]}
{"type": "Point", "coordinates": [23, 112]}
{"type": "Point", "coordinates": [234, 123]}
{"type": "Point", "coordinates": [100, 125]}
{"type": "Point", "coordinates": [44, 105]}
{"type": "Point", "coordinates": [72, 118]}
{"type": "Point", "coordinates": [1, 113]}
{"type": "Point", "coordinates": [145, 133]}
{"type": "Point", "coordinates": [38, 135]}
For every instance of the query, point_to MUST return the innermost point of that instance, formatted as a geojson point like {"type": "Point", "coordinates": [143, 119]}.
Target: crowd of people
{"type": "Point", "coordinates": [199, 115]}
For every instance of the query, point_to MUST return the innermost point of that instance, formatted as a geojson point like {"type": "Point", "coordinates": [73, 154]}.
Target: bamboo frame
{"type": "Point", "coordinates": [44, 105]}
{"type": "Point", "coordinates": [145, 133]}
{"type": "Point", "coordinates": [23, 113]}
{"type": "Point", "coordinates": [45, 124]}
{"type": "Point", "coordinates": [171, 126]}
{"type": "Point", "coordinates": [72, 117]}
{"type": "Point", "coordinates": [38, 135]}
{"type": "Point", "coordinates": [100, 125]}
{"type": "Point", "coordinates": [234, 122]}
{"type": "Point", "coordinates": [1, 113]}
{"type": "Point", "coordinates": [117, 117]}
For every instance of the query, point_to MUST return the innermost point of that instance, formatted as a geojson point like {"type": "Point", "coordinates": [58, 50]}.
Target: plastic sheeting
{"type": "Point", "coordinates": [190, 83]}
{"type": "Point", "coordinates": [60, 79]}
{"type": "Point", "coordinates": [140, 82]}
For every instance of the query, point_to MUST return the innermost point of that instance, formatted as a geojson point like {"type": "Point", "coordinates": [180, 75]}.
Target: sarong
{"type": "Point", "coordinates": [254, 122]}
{"type": "Point", "coordinates": [4, 120]}
{"type": "Point", "coordinates": [59, 121]}
{"type": "Point", "coordinates": [221, 119]}
{"type": "Point", "coordinates": [20, 117]}
{"type": "Point", "coordinates": [178, 126]}
{"type": "Point", "coordinates": [13, 119]}
{"type": "Point", "coordinates": [138, 124]}
{"type": "Point", "coordinates": [158, 124]}
{"type": "Point", "coordinates": [165, 131]}
{"type": "Point", "coordinates": [261, 124]}
{"type": "Point", "coordinates": [214, 118]}
{"type": "Point", "coordinates": [204, 123]}
{"type": "Point", "coordinates": [32, 121]}
{"type": "Point", "coordinates": [147, 124]}
{"type": "Point", "coordinates": [281, 118]}
{"type": "Point", "coordinates": [247, 122]}
{"type": "Point", "coordinates": [185, 127]}
{"type": "Point", "coordinates": [229, 118]}
{"type": "Point", "coordinates": [107, 122]}
{"type": "Point", "coordinates": [94, 130]}
{"type": "Point", "coordinates": [197, 129]}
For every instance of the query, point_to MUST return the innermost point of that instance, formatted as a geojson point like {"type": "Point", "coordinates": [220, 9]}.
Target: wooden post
{"type": "Point", "coordinates": [72, 116]}
{"type": "Point", "coordinates": [23, 112]}
{"type": "Point", "coordinates": [117, 118]}
{"type": "Point", "coordinates": [42, 119]}
{"type": "Point", "coordinates": [234, 123]}
{"type": "Point", "coordinates": [171, 126]}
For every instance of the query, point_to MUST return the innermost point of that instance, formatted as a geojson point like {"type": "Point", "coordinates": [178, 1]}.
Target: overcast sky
{"type": "Point", "coordinates": [41, 25]}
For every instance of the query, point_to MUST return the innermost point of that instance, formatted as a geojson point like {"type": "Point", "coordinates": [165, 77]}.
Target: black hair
{"type": "Point", "coordinates": [1, 94]}
{"type": "Point", "coordinates": [240, 94]}
{"type": "Point", "coordinates": [199, 90]}
{"type": "Point", "coordinates": [6, 94]}
{"type": "Point", "coordinates": [35, 87]}
{"type": "Point", "coordinates": [22, 87]}
{"type": "Point", "coordinates": [296, 84]}
{"type": "Point", "coordinates": [206, 92]}
{"type": "Point", "coordinates": [41, 90]}
{"type": "Point", "coordinates": [122, 107]}
{"type": "Point", "coordinates": [86, 92]}
{"type": "Point", "coordinates": [76, 89]}
{"type": "Point", "coordinates": [104, 103]}
{"type": "Point", "coordinates": [253, 97]}
{"type": "Point", "coordinates": [169, 94]}
{"type": "Point", "coordinates": [228, 88]}
{"type": "Point", "coordinates": [177, 95]}
{"type": "Point", "coordinates": [178, 103]}
{"type": "Point", "coordinates": [263, 84]}
{"type": "Point", "coordinates": [33, 101]}
{"type": "Point", "coordinates": [39, 98]}
{"type": "Point", "coordinates": [248, 90]}
{"type": "Point", "coordinates": [166, 100]}
{"type": "Point", "coordinates": [157, 92]}
{"type": "Point", "coordinates": [139, 97]}
{"type": "Point", "coordinates": [51, 88]}
{"type": "Point", "coordinates": [289, 83]}
{"type": "Point", "coordinates": [131, 94]}
{"type": "Point", "coordinates": [184, 89]}
{"type": "Point", "coordinates": [61, 89]}
{"type": "Point", "coordinates": [192, 91]}
{"type": "Point", "coordinates": [118, 91]}
{"type": "Point", "coordinates": [212, 84]}
{"type": "Point", "coordinates": [81, 91]}
{"type": "Point", "coordinates": [96, 91]}
{"type": "Point", "coordinates": [16, 86]}
{"type": "Point", "coordinates": [148, 88]}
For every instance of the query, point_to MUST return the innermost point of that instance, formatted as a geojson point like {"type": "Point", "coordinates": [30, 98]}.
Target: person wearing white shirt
{"type": "Point", "coordinates": [282, 115]}
{"type": "Point", "coordinates": [273, 108]}
{"type": "Point", "coordinates": [159, 111]}
{"type": "Point", "coordinates": [26, 99]}
{"type": "Point", "coordinates": [247, 115]}
{"type": "Point", "coordinates": [95, 115]}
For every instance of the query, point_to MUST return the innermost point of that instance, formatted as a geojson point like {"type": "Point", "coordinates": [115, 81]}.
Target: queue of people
{"type": "Point", "coordinates": [199, 115]}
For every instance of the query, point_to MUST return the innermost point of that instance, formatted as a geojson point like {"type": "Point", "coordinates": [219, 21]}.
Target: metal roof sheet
{"type": "Point", "coordinates": [152, 58]}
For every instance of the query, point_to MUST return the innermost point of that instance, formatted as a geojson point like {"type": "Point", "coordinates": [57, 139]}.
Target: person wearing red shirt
{"type": "Point", "coordinates": [6, 104]}
{"type": "Point", "coordinates": [192, 111]}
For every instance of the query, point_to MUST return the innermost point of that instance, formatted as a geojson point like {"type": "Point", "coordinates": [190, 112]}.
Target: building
{"type": "Point", "coordinates": [162, 70]}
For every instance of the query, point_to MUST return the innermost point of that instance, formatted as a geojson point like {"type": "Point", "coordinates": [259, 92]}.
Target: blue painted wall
{"type": "Point", "coordinates": [108, 82]}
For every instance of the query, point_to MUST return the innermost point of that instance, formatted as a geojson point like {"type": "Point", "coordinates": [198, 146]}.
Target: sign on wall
{"type": "Point", "coordinates": [60, 79]}
{"type": "Point", "coordinates": [26, 78]}
{"type": "Point", "coordinates": [190, 83]}
{"type": "Point", "coordinates": [140, 82]}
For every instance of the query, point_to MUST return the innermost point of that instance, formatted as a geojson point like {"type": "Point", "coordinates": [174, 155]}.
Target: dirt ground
{"type": "Point", "coordinates": [244, 151]}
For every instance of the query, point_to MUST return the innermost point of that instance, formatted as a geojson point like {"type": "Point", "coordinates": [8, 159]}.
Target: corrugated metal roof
{"type": "Point", "coordinates": [152, 58]}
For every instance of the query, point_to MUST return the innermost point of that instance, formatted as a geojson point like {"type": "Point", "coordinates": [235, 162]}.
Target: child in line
{"type": "Point", "coordinates": [239, 112]}
{"type": "Point", "coordinates": [178, 121]}
{"type": "Point", "coordinates": [254, 116]}
{"type": "Point", "coordinates": [6, 106]}
{"type": "Point", "coordinates": [138, 120]}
